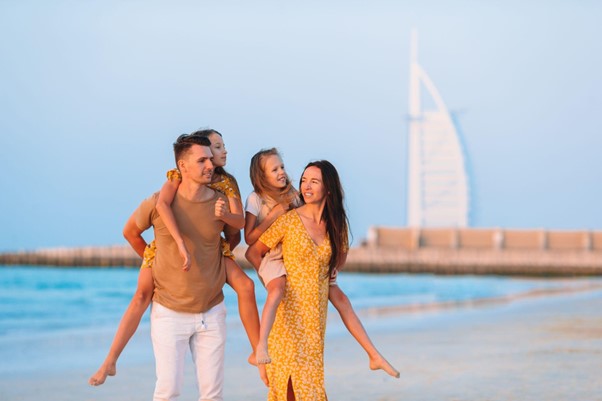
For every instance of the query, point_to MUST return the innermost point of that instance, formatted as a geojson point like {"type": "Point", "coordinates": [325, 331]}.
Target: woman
{"type": "Point", "coordinates": [314, 243]}
{"type": "Point", "coordinates": [273, 196]}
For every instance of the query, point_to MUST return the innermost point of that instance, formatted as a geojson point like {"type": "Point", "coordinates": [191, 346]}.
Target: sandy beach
{"type": "Point", "coordinates": [539, 347]}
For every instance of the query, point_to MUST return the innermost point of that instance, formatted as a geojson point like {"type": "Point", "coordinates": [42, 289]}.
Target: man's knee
{"type": "Point", "coordinates": [167, 388]}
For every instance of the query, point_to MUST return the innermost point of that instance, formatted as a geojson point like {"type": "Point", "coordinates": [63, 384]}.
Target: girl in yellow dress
{"type": "Point", "coordinates": [314, 240]}
{"type": "Point", "coordinates": [236, 277]}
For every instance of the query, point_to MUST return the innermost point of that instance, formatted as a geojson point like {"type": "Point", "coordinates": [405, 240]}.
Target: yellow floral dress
{"type": "Point", "coordinates": [226, 185]}
{"type": "Point", "coordinates": [296, 342]}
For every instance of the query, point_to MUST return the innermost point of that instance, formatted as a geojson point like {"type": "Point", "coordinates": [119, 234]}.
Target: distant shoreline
{"type": "Point", "coordinates": [366, 259]}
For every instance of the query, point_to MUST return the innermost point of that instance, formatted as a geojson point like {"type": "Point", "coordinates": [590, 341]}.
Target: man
{"type": "Point", "coordinates": [188, 306]}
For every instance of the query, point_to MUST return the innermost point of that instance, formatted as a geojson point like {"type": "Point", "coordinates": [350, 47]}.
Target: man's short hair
{"type": "Point", "coordinates": [185, 142]}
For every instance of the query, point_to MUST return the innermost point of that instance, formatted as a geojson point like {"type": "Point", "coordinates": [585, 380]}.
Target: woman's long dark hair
{"type": "Point", "coordinates": [337, 224]}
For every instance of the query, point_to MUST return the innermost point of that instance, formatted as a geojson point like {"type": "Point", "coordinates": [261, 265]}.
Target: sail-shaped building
{"type": "Point", "coordinates": [438, 187]}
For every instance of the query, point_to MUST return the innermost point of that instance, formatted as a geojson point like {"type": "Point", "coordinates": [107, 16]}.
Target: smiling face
{"type": "Point", "coordinates": [218, 148]}
{"type": "Point", "coordinates": [196, 164]}
{"type": "Point", "coordinates": [312, 185]}
{"type": "Point", "coordinates": [274, 172]}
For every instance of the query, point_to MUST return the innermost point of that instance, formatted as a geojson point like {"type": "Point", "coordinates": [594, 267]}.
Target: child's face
{"type": "Point", "coordinates": [274, 172]}
{"type": "Point", "coordinates": [218, 149]}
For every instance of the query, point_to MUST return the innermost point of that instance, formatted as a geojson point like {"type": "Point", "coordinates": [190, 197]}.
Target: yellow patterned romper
{"type": "Point", "coordinates": [296, 342]}
{"type": "Point", "coordinates": [226, 185]}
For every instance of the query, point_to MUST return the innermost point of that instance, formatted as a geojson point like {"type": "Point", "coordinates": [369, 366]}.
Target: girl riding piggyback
{"type": "Point", "coordinates": [273, 196]}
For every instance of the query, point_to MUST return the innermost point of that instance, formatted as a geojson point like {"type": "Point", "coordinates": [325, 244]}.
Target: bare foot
{"type": "Point", "coordinates": [107, 369]}
{"type": "Point", "coordinates": [261, 354]}
{"type": "Point", "coordinates": [263, 374]}
{"type": "Point", "coordinates": [378, 362]}
{"type": "Point", "coordinates": [252, 360]}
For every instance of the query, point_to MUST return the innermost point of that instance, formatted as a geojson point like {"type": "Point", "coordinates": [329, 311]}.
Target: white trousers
{"type": "Point", "coordinates": [205, 334]}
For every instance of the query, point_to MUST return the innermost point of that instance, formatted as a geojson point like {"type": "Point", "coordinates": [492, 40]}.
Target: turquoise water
{"type": "Point", "coordinates": [60, 319]}
{"type": "Point", "coordinates": [49, 300]}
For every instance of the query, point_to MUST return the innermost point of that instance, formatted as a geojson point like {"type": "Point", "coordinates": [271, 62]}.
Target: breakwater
{"type": "Point", "coordinates": [395, 250]}
{"type": "Point", "coordinates": [103, 256]}
{"type": "Point", "coordinates": [480, 251]}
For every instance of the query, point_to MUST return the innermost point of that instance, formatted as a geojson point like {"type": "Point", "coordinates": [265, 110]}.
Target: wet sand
{"type": "Point", "coordinates": [537, 347]}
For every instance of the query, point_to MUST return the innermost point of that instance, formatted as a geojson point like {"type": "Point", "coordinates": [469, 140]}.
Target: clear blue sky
{"type": "Point", "coordinates": [94, 93]}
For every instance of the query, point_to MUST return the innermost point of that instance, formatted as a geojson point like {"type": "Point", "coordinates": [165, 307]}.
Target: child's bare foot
{"type": "Point", "coordinates": [378, 362]}
{"type": "Point", "coordinates": [261, 354]}
{"type": "Point", "coordinates": [107, 369]}
{"type": "Point", "coordinates": [252, 360]}
{"type": "Point", "coordinates": [263, 374]}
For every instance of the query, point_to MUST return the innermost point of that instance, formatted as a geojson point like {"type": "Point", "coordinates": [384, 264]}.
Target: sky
{"type": "Point", "coordinates": [93, 94]}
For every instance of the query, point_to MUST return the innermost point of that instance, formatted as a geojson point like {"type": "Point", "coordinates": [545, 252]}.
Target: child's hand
{"type": "Point", "coordinates": [185, 256]}
{"type": "Point", "coordinates": [220, 208]}
{"type": "Point", "coordinates": [286, 206]}
{"type": "Point", "coordinates": [333, 277]}
{"type": "Point", "coordinates": [278, 211]}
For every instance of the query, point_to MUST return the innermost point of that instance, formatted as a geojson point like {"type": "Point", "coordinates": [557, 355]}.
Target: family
{"type": "Point", "coordinates": [298, 241]}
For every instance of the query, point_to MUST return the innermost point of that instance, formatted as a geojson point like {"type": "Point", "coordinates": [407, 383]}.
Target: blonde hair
{"type": "Point", "coordinates": [288, 194]}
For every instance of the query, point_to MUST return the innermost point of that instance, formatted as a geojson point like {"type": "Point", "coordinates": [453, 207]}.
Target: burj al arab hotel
{"type": "Point", "coordinates": [438, 187]}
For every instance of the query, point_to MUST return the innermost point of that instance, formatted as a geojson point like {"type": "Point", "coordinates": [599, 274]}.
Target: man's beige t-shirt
{"type": "Point", "coordinates": [200, 288]}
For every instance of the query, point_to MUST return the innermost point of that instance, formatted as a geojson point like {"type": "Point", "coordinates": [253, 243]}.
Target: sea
{"type": "Point", "coordinates": [61, 318]}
